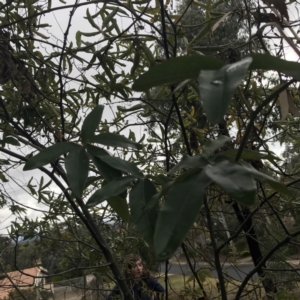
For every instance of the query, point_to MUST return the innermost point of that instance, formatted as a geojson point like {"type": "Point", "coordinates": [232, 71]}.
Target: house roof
{"type": "Point", "coordinates": [21, 279]}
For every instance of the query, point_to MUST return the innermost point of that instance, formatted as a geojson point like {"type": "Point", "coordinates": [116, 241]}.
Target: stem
{"type": "Point", "coordinates": [216, 254]}
{"type": "Point", "coordinates": [256, 112]}
{"type": "Point", "coordinates": [183, 247]}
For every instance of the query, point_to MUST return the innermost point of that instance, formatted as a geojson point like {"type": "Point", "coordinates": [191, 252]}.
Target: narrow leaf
{"type": "Point", "coordinates": [178, 213]}
{"type": "Point", "coordinates": [111, 189]}
{"type": "Point", "coordinates": [218, 87]}
{"type": "Point", "coordinates": [3, 178]}
{"type": "Point", "coordinates": [91, 20]}
{"type": "Point", "coordinates": [48, 155]}
{"type": "Point", "coordinates": [114, 140]}
{"type": "Point", "coordinates": [91, 123]}
{"type": "Point", "coordinates": [78, 39]}
{"type": "Point", "coordinates": [109, 17]}
{"type": "Point", "coordinates": [77, 166]}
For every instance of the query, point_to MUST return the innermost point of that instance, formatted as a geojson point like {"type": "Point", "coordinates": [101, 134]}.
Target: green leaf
{"type": "Point", "coordinates": [234, 179]}
{"type": "Point", "coordinates": [218, 87]}
{"type": "Point", "coordinates": [212, 145]}
{"type": "Point", "coordinates": [78, 39]}
{"type": "Point", "coordinates": [110, 17]}
{"type": "Point", "coordinates": [269, 62]}
{"type": "Point", "coordinates": [3, 178]}
{"type": "Point", "coordinates": [104, 169]}
{"type": "Point", "coordinates": [120, 206]}
{"type": "Point", "coordinates": [264, 178]}
{"type": "Point", "coordinates": [111, 189]}
{"type": "Point", "coordinates": [175, 70]}
{"type": "Point", "coordinates": [122, 165]}
{"type": "Point", "coordinates": [91, 181]}
{"type": "Point", "coordinates": [188, 162]}
{"type": "Point", "coordinates": [209, 28]}
{"type": "Point", "coordinates": [160, 179]}
{"type": "Point", "coordinates": [91, 123]}
{"type": "Point", "coordinates": [6, 128]}
{"type": "Point", "coordinates": [178, 213]}
{"type": "Point", "coordinates": [139, 196]}
{"type": "Point", "coordinates": [77, 166]}
{"type": "Point", "coordinates": [91, 20]}
{"type": "Point", "coordinates": [155, 198]}
{"type": "Point", "coordinates": [114, 140]}
{"type": "Point", "coordinates": [132, 108]}
{"type": "Point", "coordinates": [10, 140]}
{"type": "Point", "coordinates": [48, 155]}
{"type": "Point", "coordinates": [251, 154]}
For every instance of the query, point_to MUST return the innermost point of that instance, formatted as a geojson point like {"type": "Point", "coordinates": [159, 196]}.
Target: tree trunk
{"type": "Point", "coordinates": [253, 245]}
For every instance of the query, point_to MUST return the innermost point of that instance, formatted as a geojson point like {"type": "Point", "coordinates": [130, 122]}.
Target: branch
{"type": "Point", "coordinates": [255, 114]}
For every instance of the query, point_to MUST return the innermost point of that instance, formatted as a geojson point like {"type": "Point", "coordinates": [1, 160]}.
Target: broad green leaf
{"type": "Point", "coordinates": [120, 206]}
{"type": "Point", "coordinates": [114, 140]}
{"type": "Point", "coordinates": [139, 196]}
{"type": "Point", "coordinates": [122, 165]}
{"type": "Point", "coordinates": [108, 172]}
{"type": "Point", "coordinates": [188, 162]}
{"type": "Point", "coordinates": [175, 70]}
{"type": "Point", "coordinates": [234, 179]}
{"type": "Point", "coordinates": [218, 87]}
{"type": "Point", "coordinates": [10, 140]}
{"type": "Point", "coordinates": [269, 62]}
{"type": "Point", "coordinates": [111, 189]}
{"type": "Point", "coordinates": [77, 166]}
{"type": "Point", "coordinates": [48, 155]}
{"type": "Point", "coordinates": [250, 154]}
{"type": "Point", "coordinates": [178, 213]}
{"type": "Point", "coordinates": [91, 123]}
{"type": "Point", "coordinates": [275, 184]}
{"type": "Point", "coordinates": [155, 198]}
{"type": "Point", "coordinates": [212, 145]}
